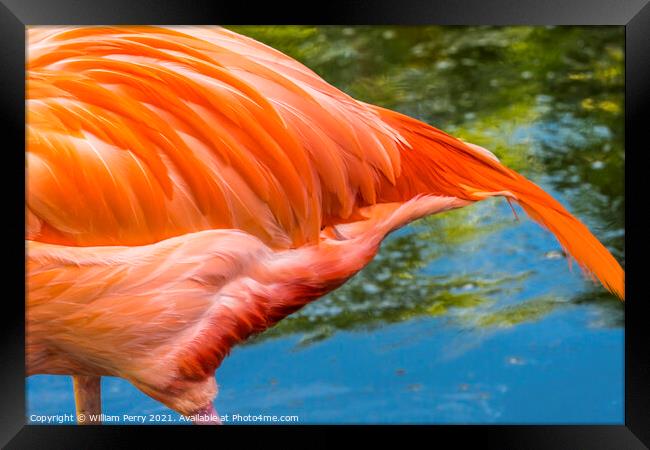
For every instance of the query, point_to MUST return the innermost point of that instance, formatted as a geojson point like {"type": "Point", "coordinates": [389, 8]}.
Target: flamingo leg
{"type": "Point", "coordinates": [87, 399]}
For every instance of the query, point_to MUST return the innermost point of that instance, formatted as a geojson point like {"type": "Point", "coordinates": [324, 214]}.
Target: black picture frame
{"type": "Point", "coordinates": [633, 14]}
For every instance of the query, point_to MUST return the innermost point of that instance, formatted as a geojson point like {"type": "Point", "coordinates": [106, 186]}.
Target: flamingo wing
{"type": "Point", "coordinates": [138, 134]}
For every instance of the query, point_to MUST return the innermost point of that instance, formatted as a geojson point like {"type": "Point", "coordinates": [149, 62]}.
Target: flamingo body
{"type": "Point", "coordinates": [188, 187]}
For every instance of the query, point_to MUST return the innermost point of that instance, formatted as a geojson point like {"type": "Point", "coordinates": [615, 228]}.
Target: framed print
{"type": "Point", "coordinates": [414, 214]}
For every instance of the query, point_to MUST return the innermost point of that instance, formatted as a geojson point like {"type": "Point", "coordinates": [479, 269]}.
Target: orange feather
{"type": "Point", "coordinates": [188, 187]}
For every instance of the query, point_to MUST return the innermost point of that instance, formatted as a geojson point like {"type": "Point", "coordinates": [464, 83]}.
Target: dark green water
{"type": "Point", "coordinates": [470, 316]}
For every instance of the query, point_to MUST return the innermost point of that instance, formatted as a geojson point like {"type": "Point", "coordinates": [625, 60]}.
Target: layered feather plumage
{"type": "Point", "coordinates": [188, 187]}
{"type": "Point", "coordinates": [140, 134]}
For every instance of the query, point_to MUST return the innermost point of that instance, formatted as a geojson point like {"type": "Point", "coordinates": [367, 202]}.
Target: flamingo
{"type": "Point", "coordinates": [189, 187]}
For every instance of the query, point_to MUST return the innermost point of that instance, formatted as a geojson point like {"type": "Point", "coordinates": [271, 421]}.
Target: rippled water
{"type": "Point", "coordinates": [470, 316]}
